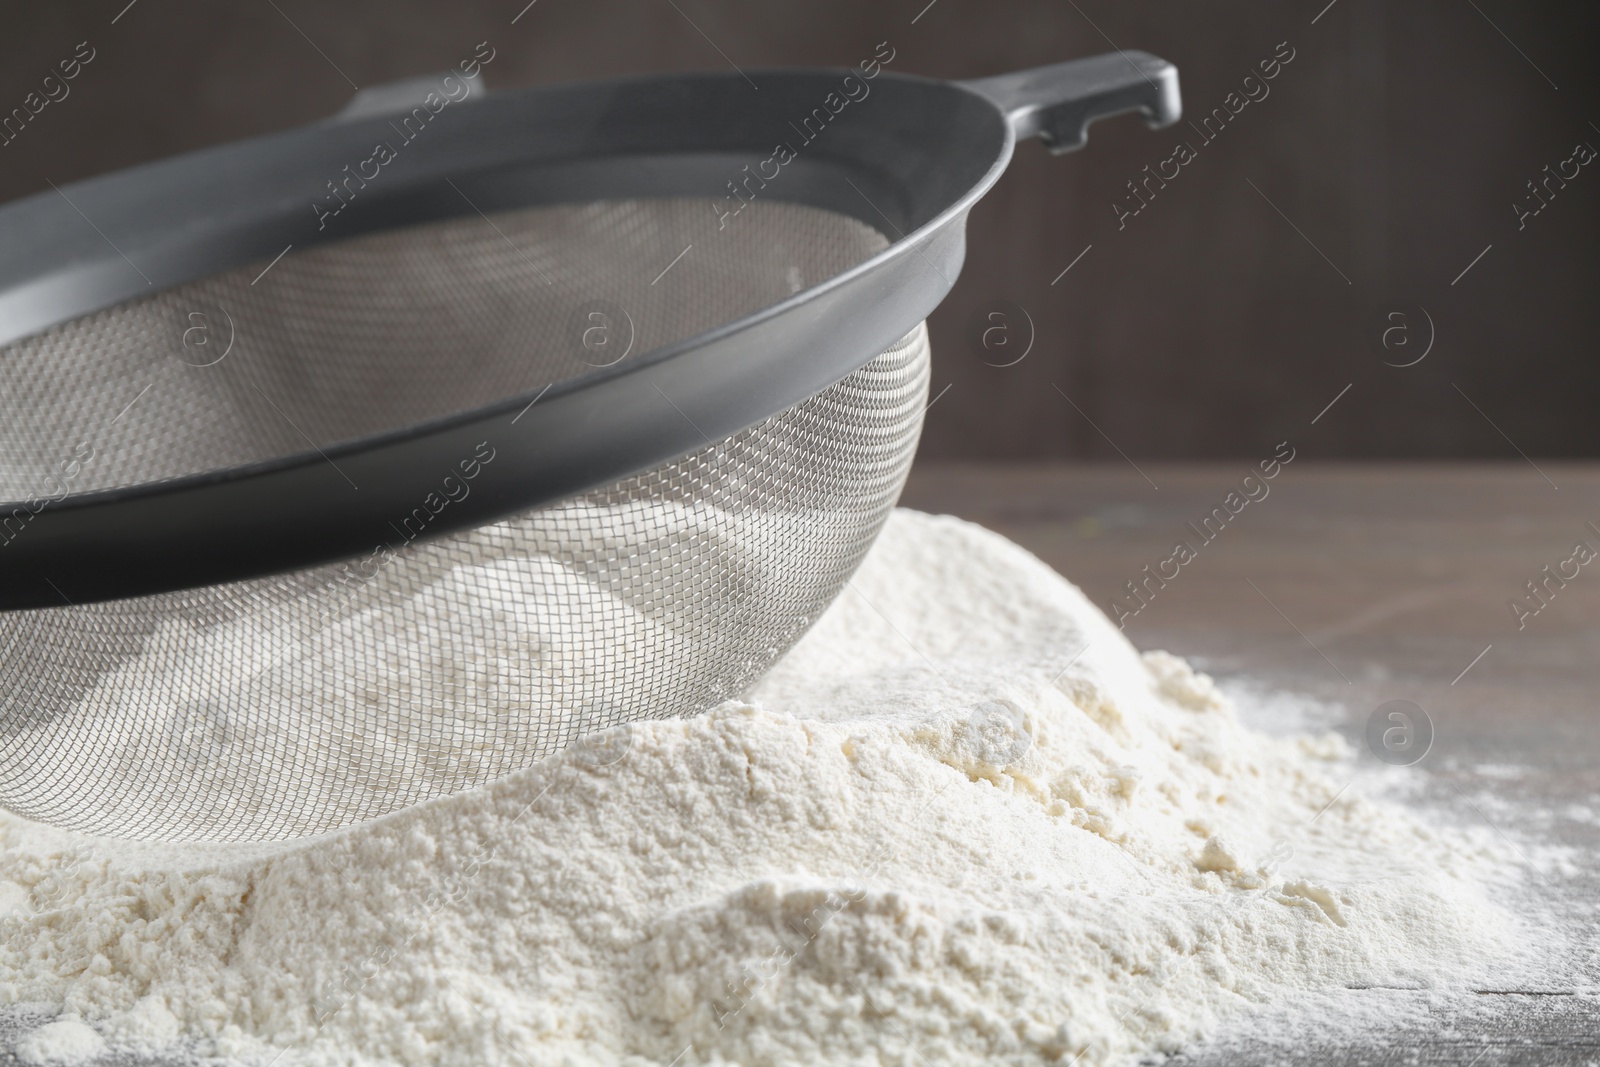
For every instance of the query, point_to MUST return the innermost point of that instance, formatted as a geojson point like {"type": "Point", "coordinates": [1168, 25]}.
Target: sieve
{"type": "Point", "coordinates": [371, 461]}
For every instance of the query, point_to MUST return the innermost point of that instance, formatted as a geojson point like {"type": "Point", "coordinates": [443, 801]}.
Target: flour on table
{"type": "Point", "coordinates": [65, 1040]}
{"type": "Point", "coordinates": [962, 821]}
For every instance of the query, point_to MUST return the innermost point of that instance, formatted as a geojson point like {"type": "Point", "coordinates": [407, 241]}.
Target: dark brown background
{"type": "Point", "coordinates": [1397, 141]}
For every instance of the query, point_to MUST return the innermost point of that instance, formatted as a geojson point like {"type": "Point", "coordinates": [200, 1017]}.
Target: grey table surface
{"type": "Point", "coordinates": [1356, 585]}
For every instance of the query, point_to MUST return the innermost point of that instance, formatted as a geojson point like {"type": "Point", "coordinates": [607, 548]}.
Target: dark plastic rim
{"type": "Point", "coordinates": [910, 160]}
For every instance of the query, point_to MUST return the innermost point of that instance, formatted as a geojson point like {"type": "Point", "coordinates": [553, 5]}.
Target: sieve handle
{"type": "Point", "coordinates": [1057, 103]}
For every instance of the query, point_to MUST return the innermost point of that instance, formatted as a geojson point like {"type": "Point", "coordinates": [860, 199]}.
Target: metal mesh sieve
{"type": "Point", "coordinates": [283, 706]}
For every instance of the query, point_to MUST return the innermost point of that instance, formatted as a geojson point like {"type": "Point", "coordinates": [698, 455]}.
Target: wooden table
{"type": "Point", "coordinates": [1359, 585]}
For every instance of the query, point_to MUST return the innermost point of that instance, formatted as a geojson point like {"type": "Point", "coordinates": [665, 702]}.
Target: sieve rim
{"type": "Point", "coordinates": [239, 522]}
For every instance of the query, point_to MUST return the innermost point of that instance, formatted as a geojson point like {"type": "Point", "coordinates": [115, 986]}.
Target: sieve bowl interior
{"type": "Point", "coordinates": [373, 335]}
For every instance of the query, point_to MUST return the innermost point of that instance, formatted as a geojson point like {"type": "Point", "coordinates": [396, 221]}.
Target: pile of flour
{"type": "Point", "coordinates": [393, 698]}
{"type": "Point", "coordinates": [963, 821]}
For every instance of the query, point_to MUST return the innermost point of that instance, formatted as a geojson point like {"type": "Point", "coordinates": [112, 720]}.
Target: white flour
{"type": "Point", "coordinates": [963, 817]}
{"type": "Point", "coordinates": [288, 658]}
{"type": "Point", "coordinates": [66, 1040]}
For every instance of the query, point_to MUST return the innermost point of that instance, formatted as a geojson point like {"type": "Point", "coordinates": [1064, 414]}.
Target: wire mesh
{"type": "Point", "coordinates": [295, 704]}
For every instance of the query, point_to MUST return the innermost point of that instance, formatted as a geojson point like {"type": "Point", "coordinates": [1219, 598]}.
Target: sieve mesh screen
{"type": "Point", "coordinates": [292, 705]}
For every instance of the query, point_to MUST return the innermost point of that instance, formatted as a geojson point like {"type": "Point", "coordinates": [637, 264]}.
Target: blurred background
{"type": "Point", "coordinates": [1378, 232]}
